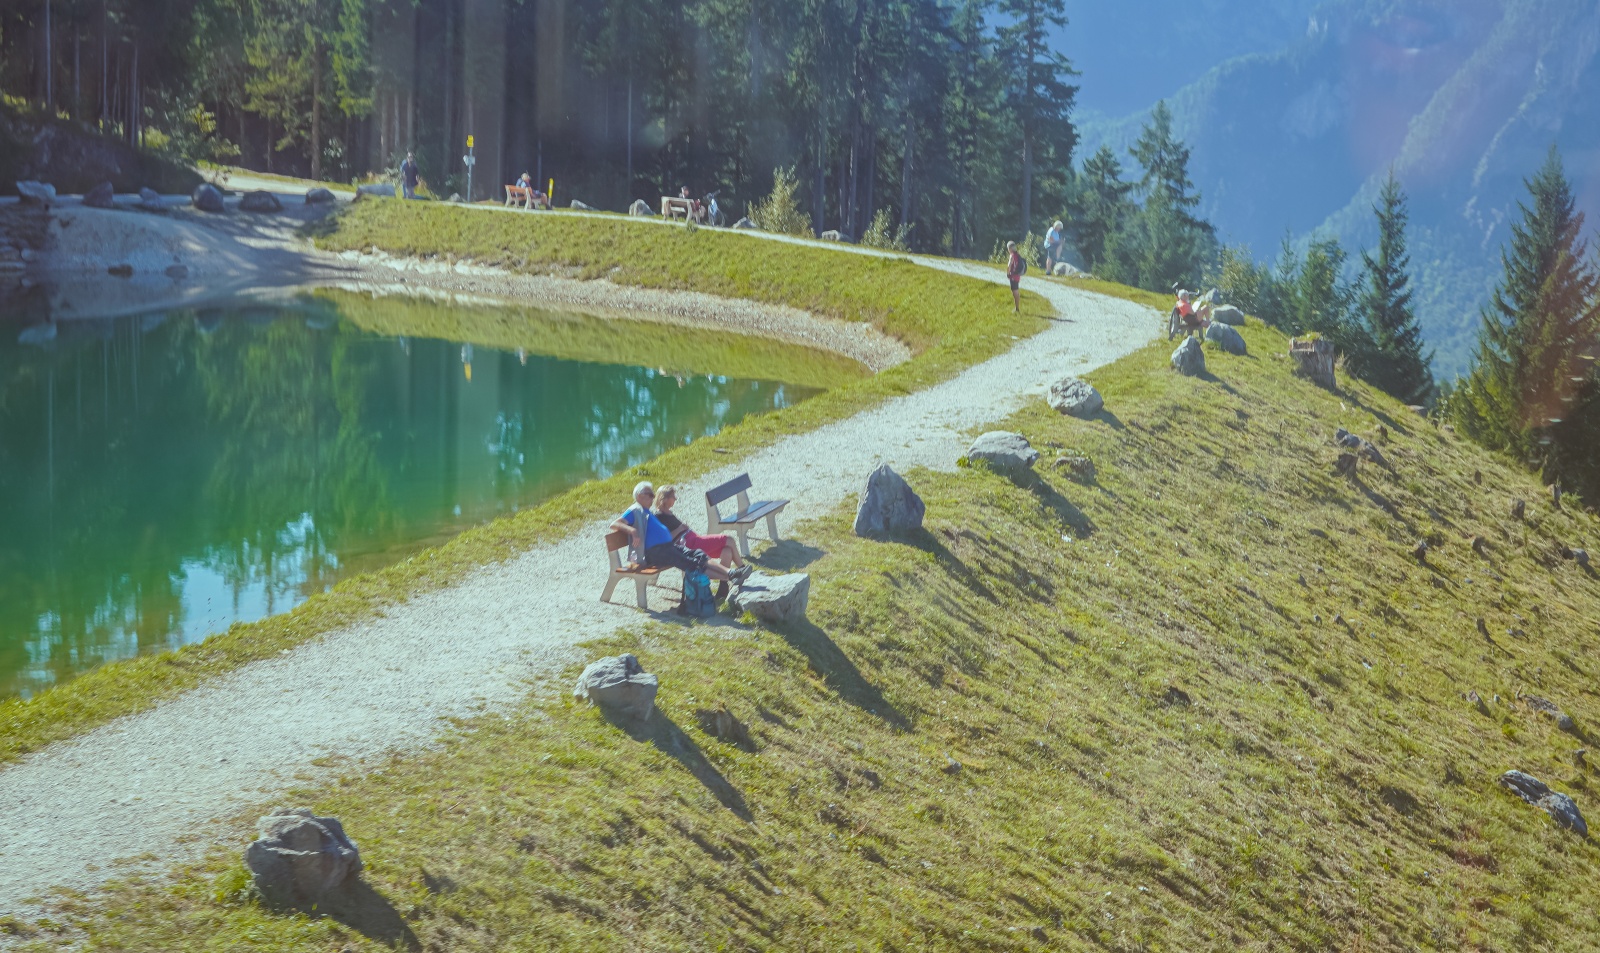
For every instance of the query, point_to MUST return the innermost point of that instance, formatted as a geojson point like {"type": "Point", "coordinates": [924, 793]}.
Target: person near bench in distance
{"type": "Point", "coordinates": [719, 546]}
{"type": "Point", "coordinates": [652, 537]}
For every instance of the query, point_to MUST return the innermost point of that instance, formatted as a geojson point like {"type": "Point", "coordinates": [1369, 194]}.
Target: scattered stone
{"type": "Point", "coordinates": [1565, 723]}
{"type": "Point", "coordinates": [36, 193]}
{"type": "Point", "coordinates": [1226, 337]}
{"type": "Point", "coordinates": [640, 209]}
{"type": "Point", "coordinates": [300, 858]}
{"type": "Point", "coordinates": [582, 207]}
{"type": "Point", "coordinates": [1477, 477]}
{"type": "Point", "coordinates": [1075, 397]}
{"type": "Point", "coordinates": [1080, 467]}
{"type": "Point", "coordinates": [719, 723]}
{"type": "Point", "coordinates": [888, 505]}
{"type": "Point", "coordinates": [101, 196]}
{"type": "Point", "coordinates": [455, 197]}
{"type": "Point", "coordinates": [1004, 451]}
{"type": "Point", "coordinates": [618, 683]}
{"type": "Point", "coordinates": [1579, 556]}
{"type": "Point", "coordinates": [834, 235]}
{"type": "Point", "coordinates": [1478, 545]}
{"type": "Point", "coordinates": [177, 272]}
{"type": "Point", "coordinates": [1560, 807]}
{"type": "Point", "coordinates": [1478, 702]}
{"type": "Point", "coordinates": [1189, 359]}
{"type": "Point", "coordinates": [150, 200]}
{"type": "Point", "coordinates": [1176, 697]}
{"type": "Point", "coordinates": [319, 196]}
{"type": "Point", "coordinates": [744, 223]}
{"type": "Point", "coordinates": [123, 270]}
{"type": "Point", "coordinates": [1420, 551]}
{"type": "Point", "coordinates": [1579, 756]}
{"type": "Point", "coordinates": [1346, 464]}
{"type": "Point", "coordinates": [951, 765]}
{"type": "Point", "coordinates": [259, 201]}
{"type": "Point", "coordinates": [1314, 361]}
{"type": "Point", "coordinates": [207, 198]}
{"type": "Point", "coordinates": [774, 599]}
{"type": "Point", "coordinates": [1519, 509]}
{"type": "Point", "coordinates": [1227, 314]}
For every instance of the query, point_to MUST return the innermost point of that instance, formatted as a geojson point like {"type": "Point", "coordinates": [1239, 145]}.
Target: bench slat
{"type": "Point", "coordinates": [758, 511]}
{"type": "Point", "coordinates": [733, 487]}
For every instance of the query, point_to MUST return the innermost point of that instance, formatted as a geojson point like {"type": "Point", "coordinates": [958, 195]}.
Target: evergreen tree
{"type": "Point", "coordinates": [1164, 243]}
{"type": "Point", "coordinates": [1100, 205]}
{"type": "Point", "coordinates": [1395, 362]}
{"type": "Point", "coordinates": [1536, 346]}
{"type": "Point", "coordinates": [1038, 91]}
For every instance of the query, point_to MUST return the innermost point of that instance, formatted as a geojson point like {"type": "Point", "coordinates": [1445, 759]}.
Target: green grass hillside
{"type": "Point", "coordinates": [1207, 700]}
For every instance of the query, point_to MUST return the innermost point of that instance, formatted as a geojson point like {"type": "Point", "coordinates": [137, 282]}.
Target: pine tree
{"type": "Point", "coordinates": [1165, 243]}
{"type": "Point", "coordinates": [1536, 344]}
{"type": "Point", "coordinates": [1038, 91]}
{"type": "Point", "coordinates": [1100, 205]}
{"type": "Point", "coordinates": [1395, 362]}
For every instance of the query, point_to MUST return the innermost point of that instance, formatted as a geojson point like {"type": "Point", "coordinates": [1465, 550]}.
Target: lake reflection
{"type": "Point", "coordinates": [163, 478]}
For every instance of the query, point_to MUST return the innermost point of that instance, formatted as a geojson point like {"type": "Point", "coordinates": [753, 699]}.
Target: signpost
{"type": "Point", "coordinates": [469, 160]}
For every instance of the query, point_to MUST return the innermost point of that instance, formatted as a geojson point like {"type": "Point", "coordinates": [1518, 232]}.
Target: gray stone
{"type": "Point", "coordinates": [150, 200]}
{"type": "Point", "coordinates": [1075, 397]}
{"type": "Point", "coordinates": [454, 197]}
{"type": "Point", "coordinates": [1560, 807]}
{"type": "Point", "coordinates": [888, 505]}
{"type": "Point", "coordinates": [101, 196]}
{"type": "Point", "coordinates": [1064, 270]}
{"type": "Point", "coordinates": [36, 193]}
{"type": "Point", "coordinates": [582, 207]}
{"type": "Point", "coordinates": [1226, 338]}
{"type": "Point", "coordinates": [319, 196]}
{"type": "Point", "coordinates": [774, 599]}
{"type": "Point", "coordinates": [206, 198]}
{"type": "Point", "coordinates": [1580, 556]}
{"type": "Point", "coordinates": [1227, 314]}
{"type": "Point", "coordinates": [1189, 359]}
{"type": "Point", "coordinates": [259, 201]}
{"type": "Point", "coordinates": [744, 223]}
{"type": "Point", "coordinates": [300, 858]}
{"type": "Point", "coordinates": [640, 209]}
{"type": "Point", "coordinates": [1007, 452]}
{"type": "Point", "coordinates": [834, 235]}
{"type": "Point", "coordinates": [1080, 467]}
{"type": "Point", "coordinates": [378, 190]}
{"type": "Point", "coordinates": [619, 684]}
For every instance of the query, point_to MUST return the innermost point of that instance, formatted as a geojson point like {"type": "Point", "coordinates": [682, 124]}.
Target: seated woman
{"type": "Point", "coordinates": [719, 547]}
{"type": "Point", "coordinates": [654, 540]}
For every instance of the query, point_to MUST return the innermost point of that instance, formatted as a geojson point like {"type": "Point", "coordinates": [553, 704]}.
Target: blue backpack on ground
{"type": "Point", "coordinates": [698, 600]}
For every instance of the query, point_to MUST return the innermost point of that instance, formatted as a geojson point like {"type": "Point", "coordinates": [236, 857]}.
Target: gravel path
{"type": "Point", "coordinates": [157, 788]}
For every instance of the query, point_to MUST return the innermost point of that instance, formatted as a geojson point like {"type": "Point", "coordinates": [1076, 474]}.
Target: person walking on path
{"type": "Point", "coordinates": [409, 175]}
{"type": "Point", "coordinates": [1014, 269]}
{"type": "Point", "coordinates": [1054, 242]}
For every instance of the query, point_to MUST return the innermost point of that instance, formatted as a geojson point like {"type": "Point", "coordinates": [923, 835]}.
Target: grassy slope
{"type": "Point", "coordinates": [949, 321]}
{"type": "Point", "coordinates": [1320, 783]}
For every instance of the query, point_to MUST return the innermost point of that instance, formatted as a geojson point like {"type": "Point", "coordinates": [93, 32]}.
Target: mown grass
{"type": "Point", "coordinates": [951, 322]}
{"type": "Point", "coordinates": [1206, 701]}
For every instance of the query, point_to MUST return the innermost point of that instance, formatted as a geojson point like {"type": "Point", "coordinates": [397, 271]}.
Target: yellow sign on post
{"type": "Point", "coordinates": [469, 142]}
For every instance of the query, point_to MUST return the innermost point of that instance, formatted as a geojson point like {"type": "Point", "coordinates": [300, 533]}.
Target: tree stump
{"type": "Point", "coordinates": [1314, 360]}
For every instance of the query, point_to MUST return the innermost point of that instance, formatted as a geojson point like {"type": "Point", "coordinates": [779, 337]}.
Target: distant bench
{"type": "Point", "coordinates": [673, 206]}
{"type": "Point", "coordinates": [745, 515]}
{"type": "Point", "coordinates": [642, 576]}
{"type": "Point", "coordinates": [526, 197]}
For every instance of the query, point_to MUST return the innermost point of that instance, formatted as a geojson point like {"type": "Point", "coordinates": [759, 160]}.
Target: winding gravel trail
{"type": "Point", "coordinates": [155, 789]}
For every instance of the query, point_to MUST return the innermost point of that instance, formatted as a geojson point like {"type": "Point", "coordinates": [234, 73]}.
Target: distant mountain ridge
{"type": "Point", "coordinates": [1460, 98]}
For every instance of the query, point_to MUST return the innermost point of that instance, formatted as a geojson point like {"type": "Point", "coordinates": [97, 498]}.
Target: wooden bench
{"type": "Point", "coordinates": [643, 577]}
{"type": "Point", "coordinates": [526, 197]}
{"type": "Point", "coordinates": [672, 206]}
{"type": "Point", "coordinates": [745, 516]}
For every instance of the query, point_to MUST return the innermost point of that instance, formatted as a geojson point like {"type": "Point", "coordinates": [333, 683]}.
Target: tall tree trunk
{"type": "Point", "coordinates": [449, 78]}
{"type": "Point", "coordinates": [1027, 185]}
{"type": "Point", "coordinates": [105, 62]}
{"type": "Point", "coordinates": [818, 197]}
{"type": "Point", "coordinates": [316, 109]}
{"type": "Point", "coordinates": [629, 195]}
{"type": "Point", "coordinates": [850, 210]}
{"type": "Point", "coordinates": [905, 176]}
{"type": "Point", "coordinates": [49, 62]}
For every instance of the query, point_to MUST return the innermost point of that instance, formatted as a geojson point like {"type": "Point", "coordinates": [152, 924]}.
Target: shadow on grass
{"type": "Point", "coordinates": [1211, 378]}
{"type": "Point", "coordinates": [363, 909]}
{"type": "Point", "coordinates": [1050, 498]}
{"type": "Point", "coordinates": [669, 739]}
{"type": "Point", "coordinates": [838, 672]}
{"type": "Point", "coordinates": [1109, 419]}
{"type": "Point", "coordinates": [789, 555]}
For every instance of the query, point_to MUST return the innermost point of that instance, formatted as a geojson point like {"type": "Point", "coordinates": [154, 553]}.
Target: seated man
{"type": "Point", "coordinates": [719, 546]}
{"type": "Point", "coordinates": [654, 540]}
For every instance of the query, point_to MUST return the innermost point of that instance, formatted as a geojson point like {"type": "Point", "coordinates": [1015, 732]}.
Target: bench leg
{"type": "Point", "coordinates": [772, 526]}
{"type": "Point", "coordinates": [744, 541]}
{"type": "Point", "coordinates": [611, 586]}
{"type": "Point", "coordinates": [642, 590]}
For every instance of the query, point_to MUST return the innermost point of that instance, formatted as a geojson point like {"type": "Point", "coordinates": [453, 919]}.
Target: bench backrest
{"type": "Point", "coordinates": [617, 539]}
{"type": "Point", "coordinates": [733, 487]}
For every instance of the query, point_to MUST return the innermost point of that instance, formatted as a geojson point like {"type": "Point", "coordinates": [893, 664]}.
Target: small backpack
{"type": "Point", "coordinates": [698, 600]}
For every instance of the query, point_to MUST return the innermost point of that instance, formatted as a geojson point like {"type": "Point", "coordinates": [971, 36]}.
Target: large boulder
{"type": "Point", "coordinates": [319, 196]}
{"type": "Point", "coordinates": [1227, 314]}
{"type": "Point", "coordinates": [619, 684]}
{"type": "Point", "coordinates": [206, 198]}
{"type": "Point", "coordinates": [259, 201]}
{"type": "Point", "coordinates": [36, 193]}
{"type": "Point", "coordinates": [581, 206]}
{"type": "Point", "coordinates": [775, 599]}
{"type": "Point", "coordinates": [300, 858]}
{"type": "Point", "coordinates": [1226, 337]}
{"type": "Point", "coordinates": [1189, 358]}
{"type": "Point", "coordinates": [1064, 270]}
{"type": "Point", "coordinates": [744, 223]}
{"type": "Point", "coordinates": [888, 505]}
{"type": "Point", "coordinates": [101, 196]}
{"type": "Point", "coordinates": [150, 200]}
{"type": "Point", "coordinates": [379, 190]}
{"type": "Point", "coordinates": [1007, 452]}
{"type": "Point", "coordinates": [1075, 397]}
{"type": "Point", "coordinates": [640, 208]}
{"type": "Point", "coordinates": [834, 235]}
{"type": "Point", "coordinates": [1560, 807]}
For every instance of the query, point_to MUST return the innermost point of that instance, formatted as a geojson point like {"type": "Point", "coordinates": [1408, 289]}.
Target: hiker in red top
{"type": "Point", "coordinates": [1014, 269]}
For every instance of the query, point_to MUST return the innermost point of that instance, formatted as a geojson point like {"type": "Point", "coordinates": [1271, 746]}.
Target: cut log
{"type": "Point", "coordinates": [1314, 360]}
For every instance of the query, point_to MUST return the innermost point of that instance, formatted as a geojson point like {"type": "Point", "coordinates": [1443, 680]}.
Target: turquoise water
{"type": "Point", "coordinates": [163, 477]}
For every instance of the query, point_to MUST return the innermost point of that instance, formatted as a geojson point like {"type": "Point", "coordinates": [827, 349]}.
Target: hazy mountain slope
{"type": "Point", "coordinates": [1462, 99]}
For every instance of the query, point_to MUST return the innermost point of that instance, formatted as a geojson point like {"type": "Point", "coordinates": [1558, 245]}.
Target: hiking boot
{"type": "Point", "coordinates": [741, 574]}
{"type": "Point", "coordinates": [722, 590]}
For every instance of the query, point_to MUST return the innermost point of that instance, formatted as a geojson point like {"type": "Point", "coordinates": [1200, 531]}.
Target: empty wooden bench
{"type": "Point", "coordinates": [745, 515]}
{"type": "Point", "coordinates": [617, 542]}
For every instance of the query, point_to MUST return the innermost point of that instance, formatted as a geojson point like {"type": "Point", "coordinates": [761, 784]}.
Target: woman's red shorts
{"type": "Point", "coordinates": [710, 545]}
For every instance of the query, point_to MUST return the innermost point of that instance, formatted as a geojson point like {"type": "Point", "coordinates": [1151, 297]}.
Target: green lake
{"type": "Point", "coordinates": [162, 477]}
